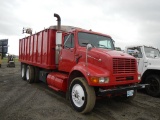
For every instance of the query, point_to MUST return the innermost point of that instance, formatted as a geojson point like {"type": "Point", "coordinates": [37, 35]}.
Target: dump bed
{"type": "Point", "coordinates": [39, 49]}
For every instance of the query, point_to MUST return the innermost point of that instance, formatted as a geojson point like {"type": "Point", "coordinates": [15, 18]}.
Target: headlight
{"type": "Point", "coordinates": [103, 80]}
{"type": "Point", "coordinates": [100, 79]}
{"type": "Point", "coordinates": [139, 77]}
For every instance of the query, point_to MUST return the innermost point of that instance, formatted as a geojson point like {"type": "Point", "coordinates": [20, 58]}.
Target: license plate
{"type": "Point", "coordinates": [130, 93]}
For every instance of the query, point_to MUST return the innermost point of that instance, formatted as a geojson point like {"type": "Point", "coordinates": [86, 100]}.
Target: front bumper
{"type": "Point", "coordinates": [117, 90]}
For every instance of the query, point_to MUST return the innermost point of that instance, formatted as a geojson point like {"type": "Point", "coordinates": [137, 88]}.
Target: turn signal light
{"type": "Point", "coordinates": [95, 79]}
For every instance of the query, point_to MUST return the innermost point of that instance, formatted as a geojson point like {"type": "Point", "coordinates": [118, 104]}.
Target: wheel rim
{"type": "Point", "coordinates": [27, 74]}
{"type": "Point", "coordinates": [153, 85]}
{"type": "Point", "coordinates": [78, 96]}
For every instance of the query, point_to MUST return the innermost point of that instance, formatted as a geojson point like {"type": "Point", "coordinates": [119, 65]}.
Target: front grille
{"type": "Point", "coordinates": [123, 65]}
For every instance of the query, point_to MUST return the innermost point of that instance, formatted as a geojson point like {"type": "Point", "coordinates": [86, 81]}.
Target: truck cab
{"type": "Point", "coordinates": [148, 61]}
{"type": "Point", "coordinates": [74, 47]}
{"type": "Point", "coordinates": [101, 60]}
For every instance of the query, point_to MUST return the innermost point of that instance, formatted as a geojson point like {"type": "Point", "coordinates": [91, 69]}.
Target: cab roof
{"type": "Point", "coordinates": [66, 28]}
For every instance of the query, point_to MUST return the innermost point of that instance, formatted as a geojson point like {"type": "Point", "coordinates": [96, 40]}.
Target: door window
{"type": "Point", "coordinates": [135, 51]}
{"type": "Point", "coordinates": [69, 41]}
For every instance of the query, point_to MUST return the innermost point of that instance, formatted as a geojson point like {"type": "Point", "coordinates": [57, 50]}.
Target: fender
{"type": "Point", "coordinates": [151, 67]}
{"type": "Point", "coordinates": [151, 64]}
{"type": "Point", "coordinates": [90, 71]}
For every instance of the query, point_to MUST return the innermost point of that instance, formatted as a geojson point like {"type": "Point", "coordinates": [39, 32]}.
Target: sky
{"type": "Point", "coordinates": [128, 22]}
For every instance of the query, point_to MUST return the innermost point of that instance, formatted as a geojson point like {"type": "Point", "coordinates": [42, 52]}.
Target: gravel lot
{"type": "Point", "coordinates": [22, 101]}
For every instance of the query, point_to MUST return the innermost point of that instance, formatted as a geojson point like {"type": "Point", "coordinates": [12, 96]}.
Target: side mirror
{"type": "Point", "coordinates": [58, 37]}
{"type": "Point", "coordinates": [89, 47]}
{"type": "Point", "coordinates": [58, 45]}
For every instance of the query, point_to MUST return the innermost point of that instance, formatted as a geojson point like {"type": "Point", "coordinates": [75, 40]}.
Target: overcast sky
{"type": "Point", "coordinates": [128, 22]}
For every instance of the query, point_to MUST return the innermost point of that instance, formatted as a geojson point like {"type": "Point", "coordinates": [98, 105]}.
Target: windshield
{"type": "Point", "coordinates": [151, 52]}
{"type": "Point", "coordinates": [98, 41]}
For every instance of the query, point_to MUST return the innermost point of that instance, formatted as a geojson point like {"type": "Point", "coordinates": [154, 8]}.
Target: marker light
{"type": "Point", "coordinates": [139, 77]}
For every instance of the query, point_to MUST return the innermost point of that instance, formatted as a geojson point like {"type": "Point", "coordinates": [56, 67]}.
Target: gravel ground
{"type": "Point", "coordinates": [22, 101]}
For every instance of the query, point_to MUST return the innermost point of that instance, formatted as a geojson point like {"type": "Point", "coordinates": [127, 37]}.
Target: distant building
{"type": "Point", "coordinates": [3, 47]}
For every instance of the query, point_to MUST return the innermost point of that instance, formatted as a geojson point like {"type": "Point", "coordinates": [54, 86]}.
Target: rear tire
{"type": "Point", "coordinates": [154, 85]}
{"type": "Point", "coordinates": [23, 71]}
{"type": "Point", "coordinates": [36, 78]}
{"type": "Point", "coordinates": [30, 74]}
{"type": "Point", "coordinates": [82, 96]}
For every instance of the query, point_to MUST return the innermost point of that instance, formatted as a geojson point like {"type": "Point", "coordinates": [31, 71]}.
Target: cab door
{"type": "Point", "coordinates": [67, 54]}
{"type": "Point", "coordinates": [140, 60]}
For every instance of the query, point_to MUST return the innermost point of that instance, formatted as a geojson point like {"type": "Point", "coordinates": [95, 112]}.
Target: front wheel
{"type": "Point", "coordinates": [82, 96]}
{"type": "Point", "coordinates": [154, 85]}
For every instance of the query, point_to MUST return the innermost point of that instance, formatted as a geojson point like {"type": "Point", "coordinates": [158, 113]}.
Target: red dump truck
{"type": "Point", "coordinates": [79, 62]}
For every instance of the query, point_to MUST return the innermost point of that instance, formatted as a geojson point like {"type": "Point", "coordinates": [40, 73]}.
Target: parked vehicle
{"type": "Point", "coordinates": [148, 59]}
{"type": "Point", "coordinates": [79, 62]}
{"type": "Point", "coordinates": [118, 49]}
{"type": "Point", "coordinates": [11, 62]}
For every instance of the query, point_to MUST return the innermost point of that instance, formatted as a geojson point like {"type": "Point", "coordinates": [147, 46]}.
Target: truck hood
{"type": "Point", "coordinates": [105, 58]}
{"type": "Point", "coordinates": [153, 63]}
{"type": "Point", "coordinates": [111, 53]}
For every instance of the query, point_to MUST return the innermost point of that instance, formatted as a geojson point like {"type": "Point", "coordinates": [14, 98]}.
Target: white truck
{"type": "Point", "coordinates": [148, 60]}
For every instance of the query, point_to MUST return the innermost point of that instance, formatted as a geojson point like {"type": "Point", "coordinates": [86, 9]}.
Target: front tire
{"type": "Point", "coordinates": [82, 96]}
{"type": "Point", "coordinates": [30, 74]}
{"type": "Point", "coordinates": [154, 85]}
